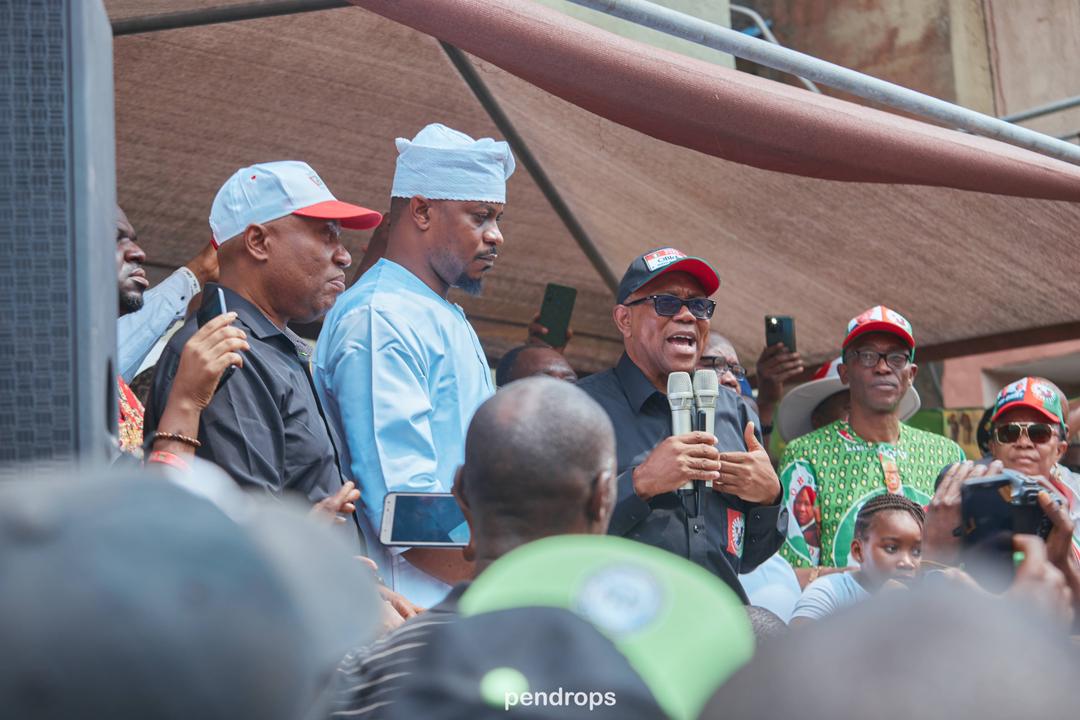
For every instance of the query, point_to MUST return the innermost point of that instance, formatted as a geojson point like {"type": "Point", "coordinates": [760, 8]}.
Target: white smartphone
{"type": "Point", "coordinates": [423, 520]}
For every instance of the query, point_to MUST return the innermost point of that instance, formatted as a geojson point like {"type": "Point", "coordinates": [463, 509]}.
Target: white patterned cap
{"type": "Point", "coordinates": [441, 163]}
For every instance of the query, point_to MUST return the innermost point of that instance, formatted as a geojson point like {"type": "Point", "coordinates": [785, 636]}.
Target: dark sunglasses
{"type": "Point", "coordinates": [721, 366]}
{"type": "Point", "coordinates": [1038, 432]}
{"type": "Point", "coordinates": [669, 305]}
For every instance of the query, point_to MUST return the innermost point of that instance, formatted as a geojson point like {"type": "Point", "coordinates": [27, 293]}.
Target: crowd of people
{"type": "Point", "coordinates": [592, 583]}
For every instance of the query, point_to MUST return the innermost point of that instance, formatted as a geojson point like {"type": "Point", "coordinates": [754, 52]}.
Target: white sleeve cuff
{"type": "Point", "coordinates": [193, 282]}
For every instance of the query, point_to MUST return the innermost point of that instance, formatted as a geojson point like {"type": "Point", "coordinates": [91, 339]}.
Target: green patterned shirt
{"type": "Point", "coordinates": [835, 470]}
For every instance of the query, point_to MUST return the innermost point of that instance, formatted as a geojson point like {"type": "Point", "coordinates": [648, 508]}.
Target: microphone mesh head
{"type": "Point", "coordinates": [680, 391]}
{"type": "Point", "coordinates": [706, 387]}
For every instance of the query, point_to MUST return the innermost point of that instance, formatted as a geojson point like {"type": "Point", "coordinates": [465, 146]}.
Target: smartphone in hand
{"type": "Point", "coordinates": [780, 329]}
{"type": "Point", "coordinates": [555, 313]}
{"type": "Point", "coordinates": [213, 306]}
{"type": "Point", "coordinates": [423, 520]}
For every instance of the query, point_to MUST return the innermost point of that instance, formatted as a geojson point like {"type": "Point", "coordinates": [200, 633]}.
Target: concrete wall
{"type": "Point", "coordinates": [1035, 51]}
{"type": "Point", "coordinates": [974, 380]}
{"type": "Point", "coordinates": [904, 42]}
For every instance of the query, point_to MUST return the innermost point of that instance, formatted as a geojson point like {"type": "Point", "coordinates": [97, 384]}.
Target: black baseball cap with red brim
{"type": "Point", "coordinates": [653, 264]}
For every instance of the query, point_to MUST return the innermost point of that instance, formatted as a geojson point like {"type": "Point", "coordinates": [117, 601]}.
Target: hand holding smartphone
{"type": "Point", "coordinates": [423, 520]}
{"type": "Point", "coordinates": [780, 329]}
{"type": "Point", "coordinates": [555, 313]}
{"type": "Point", "coordinates": [213, 306]}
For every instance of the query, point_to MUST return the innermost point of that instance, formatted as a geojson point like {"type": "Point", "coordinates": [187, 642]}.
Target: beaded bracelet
{"type": "Point", "coordinates": [174, 436]}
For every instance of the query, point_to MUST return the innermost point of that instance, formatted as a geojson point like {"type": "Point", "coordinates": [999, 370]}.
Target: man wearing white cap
{"type": "Point", "coordinates": [277, 231]}
{"type": "Point", "coordinates": [398, 366]}
{"type": "Point", "coordinates": [828, 474]}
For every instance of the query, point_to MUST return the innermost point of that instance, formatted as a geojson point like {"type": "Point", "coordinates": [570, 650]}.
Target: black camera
{"type": "Point", "coordinates": [994, 509]}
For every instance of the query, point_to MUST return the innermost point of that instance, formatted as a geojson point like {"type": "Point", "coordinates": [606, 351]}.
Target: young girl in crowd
{"type": "Point", "coordinates": [887, 545]}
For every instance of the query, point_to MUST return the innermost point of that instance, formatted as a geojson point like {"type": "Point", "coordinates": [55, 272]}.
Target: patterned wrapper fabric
{"type": "Point", "coordinates": [131, 420]}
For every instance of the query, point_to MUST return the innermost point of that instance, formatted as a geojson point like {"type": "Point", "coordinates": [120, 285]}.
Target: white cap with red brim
{"type": "Point", "coordinates": [268, 191]}
{"type": "Point", "coordinates": [797, 407]}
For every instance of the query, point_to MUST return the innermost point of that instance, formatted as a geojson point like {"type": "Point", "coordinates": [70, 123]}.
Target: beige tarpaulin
{"type": "Point", "coordinates": [336, 87]}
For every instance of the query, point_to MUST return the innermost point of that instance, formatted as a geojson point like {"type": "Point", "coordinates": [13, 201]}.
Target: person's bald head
{"type": "Point", "coordinates": [529, 360]}
{"type": "Point", "coordinates": [539, 461]}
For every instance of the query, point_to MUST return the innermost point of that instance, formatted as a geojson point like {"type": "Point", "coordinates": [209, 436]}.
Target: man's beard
{"type": "Point", "coordinates": [469, 285]}
{"type": "Point", "coordinates": [448, 266]}
{"type": "Point", "coordinates": [130, 301]}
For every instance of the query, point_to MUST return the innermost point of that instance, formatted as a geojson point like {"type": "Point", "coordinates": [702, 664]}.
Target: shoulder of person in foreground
{"type": "Point", "coordinates": [828, 594]}
{"type": "Point", "coordinates": [369, 676]}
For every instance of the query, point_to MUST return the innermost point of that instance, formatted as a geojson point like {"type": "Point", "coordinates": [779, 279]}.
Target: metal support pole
{"type": "Point", "coordinates": [1041, 110]}
{"type": "Point", "coordinates": [687, 27]}
{"type": "Point", "coordinates": [215, 15]}
{"type": "Point", "coordinates": [755, 17]}
{"type": "Point", "coordinates": [526, 157]}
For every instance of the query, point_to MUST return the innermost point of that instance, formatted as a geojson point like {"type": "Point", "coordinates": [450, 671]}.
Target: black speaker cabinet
{"type": "Point", "coordinates": [58, 297]}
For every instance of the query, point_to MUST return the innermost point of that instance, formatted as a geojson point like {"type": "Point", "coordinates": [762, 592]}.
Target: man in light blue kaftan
{"type": "Point", "coordinates": [398, 367]}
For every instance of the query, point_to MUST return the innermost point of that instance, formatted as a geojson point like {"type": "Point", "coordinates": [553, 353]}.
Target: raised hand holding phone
{"type": "Point", "coordinates": [212, 308]}
{"type": "Point", "coordinates": [552, 325]}
{"type": "Point", "coordinates": [208, 356]}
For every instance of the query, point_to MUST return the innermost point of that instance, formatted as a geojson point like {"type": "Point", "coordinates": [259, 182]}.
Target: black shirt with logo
{"type": "Point", "coordinates": [729, 535]}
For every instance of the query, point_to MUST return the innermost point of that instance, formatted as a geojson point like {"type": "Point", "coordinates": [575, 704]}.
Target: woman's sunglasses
{"type": "Point", "coordinates": [1038, 432]}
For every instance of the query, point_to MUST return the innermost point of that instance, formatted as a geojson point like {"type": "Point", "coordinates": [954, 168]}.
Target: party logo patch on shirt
{"type": "Point", "coordinates": [736, 530]}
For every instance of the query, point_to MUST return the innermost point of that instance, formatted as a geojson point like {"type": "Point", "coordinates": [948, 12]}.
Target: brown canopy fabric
{"type": "Point", "coordinates": [969, 269]}
{"type": "Point", "coordinates": [723, 112]}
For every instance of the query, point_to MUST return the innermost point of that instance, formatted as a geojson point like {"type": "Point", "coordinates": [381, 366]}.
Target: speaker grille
{"type": "Point", "coordinates": [37, 395]}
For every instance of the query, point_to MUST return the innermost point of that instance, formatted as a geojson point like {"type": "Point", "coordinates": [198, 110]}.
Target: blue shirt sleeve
{"type": "Point", "coordinates": [163, 305]}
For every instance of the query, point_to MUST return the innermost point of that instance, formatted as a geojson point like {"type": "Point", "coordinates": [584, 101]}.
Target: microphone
{"type": "Point", "coordinates": [706, 389]}
{"type": "Point", "coordinates": [680, 395]}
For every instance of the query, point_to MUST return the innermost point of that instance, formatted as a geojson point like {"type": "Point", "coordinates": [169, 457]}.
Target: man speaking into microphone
{"type": "Point", "coordinates": [662, 311]}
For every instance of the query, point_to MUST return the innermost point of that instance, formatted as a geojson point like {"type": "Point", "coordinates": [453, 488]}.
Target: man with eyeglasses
{"type": "Point", "coordinates": [662, 311]}
{"type": "Point", "coordinates": [849, 461]}
{"type": "Point", "coordinates": [719, 355]}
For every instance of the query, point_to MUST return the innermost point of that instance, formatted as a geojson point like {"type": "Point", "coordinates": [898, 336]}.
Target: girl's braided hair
{"type": "Point", "coordinates": [883, 503]}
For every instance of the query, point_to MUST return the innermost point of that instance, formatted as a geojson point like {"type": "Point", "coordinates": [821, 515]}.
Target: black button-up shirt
{"type": "Point", "coordinates": [264, 426]}
{"type": "Point", "coordinates": [730, 535]}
